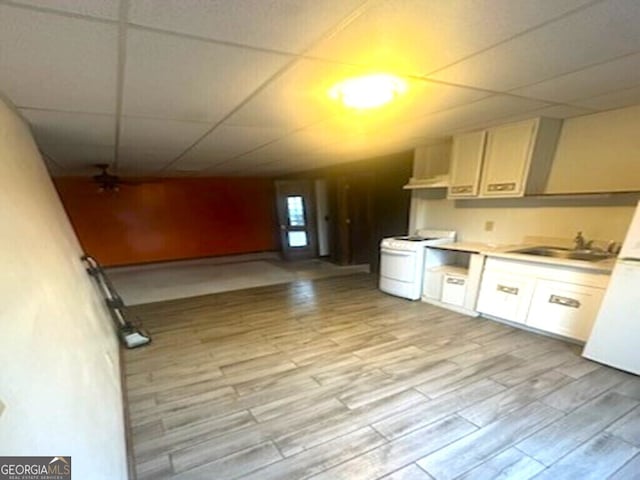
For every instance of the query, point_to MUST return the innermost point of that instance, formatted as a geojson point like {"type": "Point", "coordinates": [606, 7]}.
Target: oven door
{"type": "Point", "coordinates": [400, 273]}
{"type": "Point", "coordinates": [398, 265]}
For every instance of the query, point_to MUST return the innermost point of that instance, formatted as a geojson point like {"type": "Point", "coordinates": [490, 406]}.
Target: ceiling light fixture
{"type": "Point", "coordinates": [369, 91]}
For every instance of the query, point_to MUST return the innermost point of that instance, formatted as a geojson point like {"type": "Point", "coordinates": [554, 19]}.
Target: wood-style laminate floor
{"type": "Point", "coordinates": [332, 379]}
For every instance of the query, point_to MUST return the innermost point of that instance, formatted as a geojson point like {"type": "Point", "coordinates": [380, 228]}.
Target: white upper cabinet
{"type": "Point", "coordinates": [518, 157]}
{"type": "Point", "coordinates": [507, 159]}
{"type": "Point", "coordinates": [466, 163]}
{"type": "Point", "coordinates": [431, 166]}
{"type": "Point", "coordinates": [514, 160]}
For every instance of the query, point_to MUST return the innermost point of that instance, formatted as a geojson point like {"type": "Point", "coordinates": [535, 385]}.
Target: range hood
{"type": "Point", "coordinates": [430, 166]}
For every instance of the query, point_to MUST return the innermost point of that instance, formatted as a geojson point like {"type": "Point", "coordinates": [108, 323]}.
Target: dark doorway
{"type": "Point", "coordinates": [354, 222]}
{"type": "Point", "coordinates": [296, 217]}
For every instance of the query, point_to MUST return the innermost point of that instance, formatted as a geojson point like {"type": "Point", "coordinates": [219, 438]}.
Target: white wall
{"type": "Point", "coordinates": [513, 220]}
{"type": "Point", "coordinates": [59, 365]}
{"type": "Point", "coordinates": [599, 152]}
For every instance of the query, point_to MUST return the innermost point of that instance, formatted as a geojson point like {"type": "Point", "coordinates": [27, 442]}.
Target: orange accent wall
{"type": "Point", "coordinates": [169, 219]}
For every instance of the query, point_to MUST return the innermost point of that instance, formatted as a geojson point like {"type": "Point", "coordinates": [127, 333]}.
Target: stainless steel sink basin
{"type": "Point", "coordinates": [585, 255]}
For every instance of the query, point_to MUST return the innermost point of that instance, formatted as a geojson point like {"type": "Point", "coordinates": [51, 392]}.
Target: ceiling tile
{"type": "Point", "coordinates": [593, 35]}
{"type": "Point", "coordinates": [422, 97]}
{"type": "Point", "coordinates": [313, 138]}
{"type": "Point", "coordinates": [300, 98]}
{"type": "Point", "coordinates": [286, 25]}
{"type": "Point", "coordinates": [183, 79]}
{"type": "Point", "coordinates": [187, 168]}
{"type": "Point", "coordinates": [276, 152]}
{"type": "Point", "coordinates": [147, 157]}
{"type": "Point", "coordinates": [297, 98]}
{"type": "Point", "coordinates": [434, 97]}
{"type": "Point", "coordinates": [79, 157]}
{"type": "Point", "coordinates": [94, 8]}
{"type": "Point", "coordinates": [366, 146]}
{"type": "Point", "coordinates": [274, 167]}
{"type": "Point", "coordinates": [554, 111]}
{"type": "Point", "coordinates": [153, 133]}
{"type": "Point", "coordinates": [57, 62]}
{"type": "Point", "coordinates": [561, 58]}
{"type": "Point", "coordinates": [52, 127]}
{"type": "Point", "coordinates": [269, 153]}
{"type": "Point", "coordinates": [142, 163]}
{"type": "Point", "coordinates": [561, 111]}
{"type": "Point", "coordinates": [419, 36]}
{"type": "Point", "coordinates": [590, 82]}
{"type": "Point", "coordinates": [226, 142]}
{"type": "Point", "coordinates": [618, 99]}
{"type": "Point", "coordinates": [483, 113]}
{"type": "Point", "coordinates": [176, 173]}
{"type": "Point", "coordinates": [298, 149]}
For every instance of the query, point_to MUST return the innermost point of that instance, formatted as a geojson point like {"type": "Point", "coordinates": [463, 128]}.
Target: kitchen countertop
{"type": "Point", "coordinates": [508, 252]}
{"type": "Point", "coordinates": [601, 266]}
{"type": "Point", "coordinates": [473, 247]}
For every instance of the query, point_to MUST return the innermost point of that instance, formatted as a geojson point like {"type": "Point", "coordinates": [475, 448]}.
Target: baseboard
{"type": "Point", "coordinates": [523, 326]}
{"type": "Point", "coordinates": [128, 434]}
{"type": "Point", "coordinates": [221, 259]}
{"type": "Point", "coordinates": [448, 306]}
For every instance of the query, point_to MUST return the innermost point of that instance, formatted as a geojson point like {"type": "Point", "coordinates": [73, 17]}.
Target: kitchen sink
{"type": "Point", "coordinates": [569, 254]}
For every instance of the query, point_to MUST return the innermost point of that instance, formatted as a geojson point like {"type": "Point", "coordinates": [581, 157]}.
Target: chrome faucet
{"type": "Point", "coordinates": [580, 243]}
{"type": "Point", "coordinates": [613, 248]}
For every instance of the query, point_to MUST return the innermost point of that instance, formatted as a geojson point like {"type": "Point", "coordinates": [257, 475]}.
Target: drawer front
{"type": "Point", "coordinates": [505, 296]}
{"type": "Point", "coordinates": [565, 309]}
{"type": "Point", "coordinates": [453, 289]}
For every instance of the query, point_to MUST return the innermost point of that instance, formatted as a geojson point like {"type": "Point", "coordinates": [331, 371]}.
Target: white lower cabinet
{"type": "Point", "coordinates": [556, 299]}
{"type": "Point", "coordinates": [505, 295]}
{"type": "Point", "coordinates": [454, 286]}
{"type": "Point", "coordinates": [566, 309]}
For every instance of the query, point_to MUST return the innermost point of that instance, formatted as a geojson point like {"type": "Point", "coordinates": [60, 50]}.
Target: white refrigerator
{"type": "Point", "coordinates": [615, 337]}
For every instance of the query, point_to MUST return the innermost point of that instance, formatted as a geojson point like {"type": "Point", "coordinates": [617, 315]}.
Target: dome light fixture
{"type": "Point", "coordinates": [369, 91]}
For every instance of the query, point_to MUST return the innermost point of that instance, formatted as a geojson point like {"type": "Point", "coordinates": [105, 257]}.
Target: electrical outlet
{"type": "Point", "coordinates": [488, 226]}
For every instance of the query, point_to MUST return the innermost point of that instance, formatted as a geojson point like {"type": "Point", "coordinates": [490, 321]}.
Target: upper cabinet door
{"type": "Point", "coordinates": [631, 246]}
{"type": "Point", "coordinates": [507, 159]}
{"type": "Point", "coordinates": [466, 164]}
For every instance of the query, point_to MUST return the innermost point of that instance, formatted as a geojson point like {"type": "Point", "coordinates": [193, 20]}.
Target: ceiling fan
{"type": "Point", "coordinates": [107, 182]}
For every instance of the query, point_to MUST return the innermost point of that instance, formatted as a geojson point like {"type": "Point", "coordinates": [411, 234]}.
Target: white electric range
{"type": "Point", "coordinates": [402, 261]}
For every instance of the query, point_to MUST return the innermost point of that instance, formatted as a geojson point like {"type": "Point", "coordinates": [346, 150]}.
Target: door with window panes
{"type": "Point", "coordinates": [296, 216]}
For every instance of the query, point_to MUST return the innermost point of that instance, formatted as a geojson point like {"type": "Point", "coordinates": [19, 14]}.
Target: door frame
{"type": "Point", "coordinates": [305, 189]}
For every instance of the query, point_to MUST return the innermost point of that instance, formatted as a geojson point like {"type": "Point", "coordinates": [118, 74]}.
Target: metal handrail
{"type": "Point", "coordinates": [130, 334]}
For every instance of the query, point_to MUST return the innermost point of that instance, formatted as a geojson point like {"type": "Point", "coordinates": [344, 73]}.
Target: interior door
{"type": "Point", "coordinates": [354, 219]}
{"type": "Point", "coordinates": [361, 216]}
{"type": "Point", "coordinates": [296, 216]}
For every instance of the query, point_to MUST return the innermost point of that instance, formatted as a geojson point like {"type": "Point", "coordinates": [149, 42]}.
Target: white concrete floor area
{"type": "Point", "coordinates": [189, 278]}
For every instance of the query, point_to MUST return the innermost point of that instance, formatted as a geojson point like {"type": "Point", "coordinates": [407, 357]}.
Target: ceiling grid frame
{"type": "Point", "coordinates": [626, 94]}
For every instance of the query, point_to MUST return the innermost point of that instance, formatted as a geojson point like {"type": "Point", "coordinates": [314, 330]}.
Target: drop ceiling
{"type": "Point", "coordinates": [238, 87]}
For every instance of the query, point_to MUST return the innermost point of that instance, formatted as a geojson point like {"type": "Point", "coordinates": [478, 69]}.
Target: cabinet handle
{"type": "Point", "coordinates": [455, 281]}
{"type": "Point", "coordinates": [501, 187]}
{"type": "Point", "coordinates": [462, 189]}
{"type": "Point", "coordinates": [509, 290]}
{"type": "Point", "coordinates": [564, 301]}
